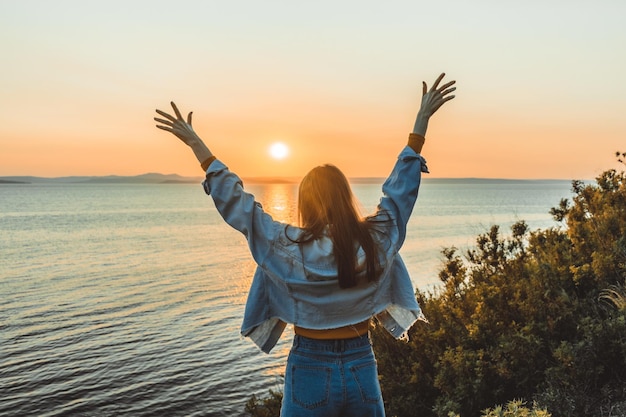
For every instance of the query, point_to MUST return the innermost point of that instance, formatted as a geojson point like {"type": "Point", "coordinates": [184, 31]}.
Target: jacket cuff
{"type": "Point", "coordinates": [205, 164]}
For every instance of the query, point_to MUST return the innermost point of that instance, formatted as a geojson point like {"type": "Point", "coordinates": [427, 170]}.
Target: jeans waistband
{"type": "Point", "coordinates": [331, 345]}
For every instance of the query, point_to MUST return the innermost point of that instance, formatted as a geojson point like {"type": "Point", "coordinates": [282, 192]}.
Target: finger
{"type": "Point", "coordinates": [448, 91]}
{"type": "Point", "coordinates": [424, 88]}
{"type": "Point", "coordinates": [178, 115]}
{"type": "Point", "coordinates": [168, 129]}
{"type": "Point", "coordinates": [446, 85]}
{"type": "Point", "coordinates": [189, 117]}
{"type": "Point", "coordinates": [165, 122]}
{"type": "Point", "coordinates": [162, 113]}
{"type": "Point", "coordinates": [443, 100]}
{"type": "Point", "coordinates": [447, 99]}
{"type": "Point", "coordinates": [437, 81]}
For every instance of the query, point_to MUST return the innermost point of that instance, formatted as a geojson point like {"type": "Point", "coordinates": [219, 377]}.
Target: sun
{"type": "Point", "coordinates": [278, 150]}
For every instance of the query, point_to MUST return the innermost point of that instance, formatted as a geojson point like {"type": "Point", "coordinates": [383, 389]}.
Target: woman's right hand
{"type": "Point", "coordinates": [432, 100]}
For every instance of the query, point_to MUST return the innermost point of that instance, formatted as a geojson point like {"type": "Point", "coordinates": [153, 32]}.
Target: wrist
{"type": "Point", "coordinates": [416, 142]}
{"type": "Point", "coordinates": [421, 124]}
{"type": "Point", "coordinates": [201, 151]}
{"type": "Point", "coordinates": [195, 142]}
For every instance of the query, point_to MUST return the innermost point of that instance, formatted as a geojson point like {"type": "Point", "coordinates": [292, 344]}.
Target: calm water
{"type": "Point", "coordinates": [127, 299]}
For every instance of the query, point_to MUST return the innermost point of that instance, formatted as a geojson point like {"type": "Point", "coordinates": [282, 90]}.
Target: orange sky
{"type": "Point", "coordinates": [541, 92]}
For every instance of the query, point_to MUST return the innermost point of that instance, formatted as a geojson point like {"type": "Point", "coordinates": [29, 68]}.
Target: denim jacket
{"type": "Point", "coordinates": [297, 283]}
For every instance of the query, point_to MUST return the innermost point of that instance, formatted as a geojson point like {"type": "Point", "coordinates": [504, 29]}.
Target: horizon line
{"type": "Point", "coordinates": [269, 178]}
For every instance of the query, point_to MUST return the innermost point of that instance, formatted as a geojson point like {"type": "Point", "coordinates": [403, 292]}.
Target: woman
{"type": "Point", "coordinates": [329, 276]}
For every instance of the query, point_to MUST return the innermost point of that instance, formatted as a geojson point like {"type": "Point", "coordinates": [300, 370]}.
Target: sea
{"type": "Point", "coordinates": [127, 299]}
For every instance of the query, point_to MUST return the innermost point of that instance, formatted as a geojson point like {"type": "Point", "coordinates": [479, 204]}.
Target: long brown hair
{"type": "Point", "coordinates": [326, 200]}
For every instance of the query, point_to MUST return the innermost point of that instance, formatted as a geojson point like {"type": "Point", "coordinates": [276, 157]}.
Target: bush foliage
{"type": "Point", "coordinates": [536, 315]}
{"type": "Point", "coordinates": [514, 408]}
{"type": "Point", "coordinates": [265, 407]}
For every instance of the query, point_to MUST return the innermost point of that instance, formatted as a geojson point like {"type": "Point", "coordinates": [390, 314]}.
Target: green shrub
{"type": "Point", "coordinates": [265, 407]}
{"type": "Point", "coordinates": [538, 315]}
{"type": "Point", "coordinates": [514, 408]}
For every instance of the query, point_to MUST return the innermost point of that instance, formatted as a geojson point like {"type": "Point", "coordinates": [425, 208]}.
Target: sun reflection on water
{"type": "Point", "coordinates": [278, 200]}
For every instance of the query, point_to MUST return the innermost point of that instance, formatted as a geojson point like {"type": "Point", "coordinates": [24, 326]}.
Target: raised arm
{"type": "Point", "coordinates": [182, 130]}
{"type": "Point", "coordinates": [237, 207]}
{"type": "Point", "coordinates": [401, 187]}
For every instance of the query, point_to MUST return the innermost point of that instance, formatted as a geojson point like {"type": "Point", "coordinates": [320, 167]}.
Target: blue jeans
{"type": "Point", "coordinates": [332, 378]}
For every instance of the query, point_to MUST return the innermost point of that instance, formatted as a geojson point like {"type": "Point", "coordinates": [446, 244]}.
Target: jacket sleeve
{"type": "Point", "coordinates": [400, 192]}
{"type": "Point", "coordinates": [240, 210]}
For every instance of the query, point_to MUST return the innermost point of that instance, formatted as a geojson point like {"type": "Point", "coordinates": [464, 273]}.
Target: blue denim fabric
{"type": "Point", "coordinates": [332, 378]}
{"type": "Point", "coordinates": [297, 283]}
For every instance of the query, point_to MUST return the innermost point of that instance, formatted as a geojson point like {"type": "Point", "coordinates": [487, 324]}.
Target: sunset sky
{"type": "Point", "coordinates": [541, 85]}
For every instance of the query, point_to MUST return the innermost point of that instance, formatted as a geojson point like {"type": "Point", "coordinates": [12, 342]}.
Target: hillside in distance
{"type": "Point", "coordinates": [150, 178]}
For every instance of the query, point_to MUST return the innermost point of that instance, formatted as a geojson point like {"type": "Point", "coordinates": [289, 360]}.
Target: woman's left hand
{"type": "Point", "coordinates": [178, 126]}
{"type": "Point", "coordinates": [182, 130]}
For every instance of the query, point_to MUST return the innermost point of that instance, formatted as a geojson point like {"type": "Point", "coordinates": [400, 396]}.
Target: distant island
{"type": "Point", "coordinates": [155, 178]}
{"type": "Point", "coordinates": [3, 181]}
{"type": "Point", "coordinates": [150, 178]}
